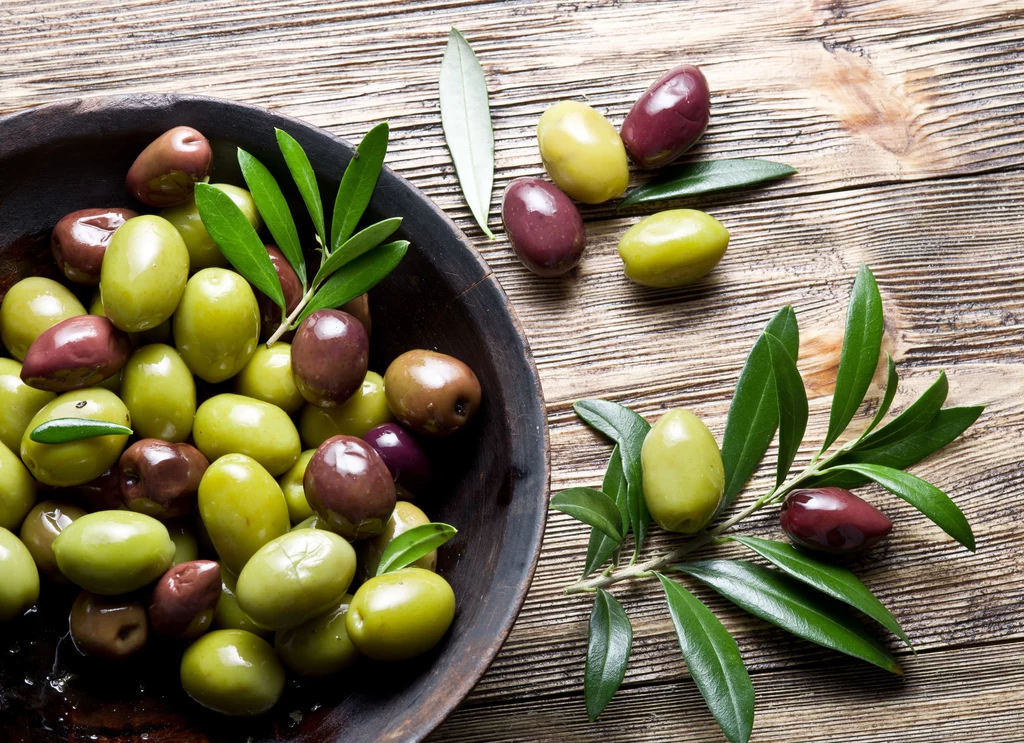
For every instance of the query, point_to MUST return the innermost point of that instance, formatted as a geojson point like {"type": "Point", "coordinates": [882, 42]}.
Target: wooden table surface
{"type": "Point", "coordinates": [906, 121]}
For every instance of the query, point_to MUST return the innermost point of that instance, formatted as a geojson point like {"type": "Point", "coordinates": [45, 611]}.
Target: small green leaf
{"type": "Point", "coordinates": [273, 207]}
{"type": "Point", "coordinates": [892, 380]}
{"type": "Point", "coordinates": [915, 417]}
{"type": "Point", "coordinates": [238, 241]}
{"type": "Point", "coordinates": [66, 430]}
{"type": "Point", "coordinates": [410, 546]}
{"type": "Point", "coordinates": [358, 183]}
{"type": "Point", "coordinates": [706, 176]}
{"type": "Point", "coordinates": [592, 507]}
{"type": "Point", "coordinates": [356, 278]}
{"type": "Point", "coordinates": [714, 661]}
{"type": "Point", "coordinates": [784, 327]}
{"type": "Point", "coordinates": [355, 246]}
{"type": "Point", "coordinates": [792, 399]}
{"type": "Point", "coordinates": [302, 173]}
{"type": "Point", "coordinates": [609, 644]}
{"type": "Point", "coordinates": [601, 547]}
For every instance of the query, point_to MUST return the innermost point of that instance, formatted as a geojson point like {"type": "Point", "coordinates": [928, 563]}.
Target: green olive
{"type": "Point", "coordinates": [683, 475]}
{"type": "Point", "coordinates": [113, 552]}
{"type": "Point", "coordinates": [319, 647]}
{"type": "Point", "coordinates": [18, 403]}
{"type": "Point", "coordinates": [582, 152]}
{"type": "Point", "coordinates": [19, 589]}
{"type": "Point", "coordinates": [673, 248]}
{"type": "Point", "coordinates": [144, 273]}
{"type": "Point", "coordinates": [186, 548]}
{"type": "Point", "coordinates": [160, 334]}
{"type": "Point", "coordinates": [403, 518]}
{"type": "Point", "coordinates": [17, 490]}
{"type": "Point", "coordinates": [311, 522]}
{"type": "Point", "coordinates": [242, 508]}
{"type": "Point", "coordinates": [202, 250]}
{"type": "Point", "coordinates": [367, 408]}
{"type": "Point", "coordinates": [291, 484]}
{"type": "Point", "coordinates": [77, 462]}
{"type": "Point", "coordinates": [232, 424]}
{"type": "Point", "coordinates": [399, 615]}
{"type": "Point", "coordinates": [268, 377]}
{"type": "Point", "coordinates": [160, 394]}
{"type": "Point", "coordinates": [232, 672]}
{"type": "Point", "coordinates": [217, 325]}
{"type": "Point", "coordinates": [32, 306]}
{"type": "Point", "coordinates": [41, 527]}
{"type": "Point", "coordinates": [228, 614]}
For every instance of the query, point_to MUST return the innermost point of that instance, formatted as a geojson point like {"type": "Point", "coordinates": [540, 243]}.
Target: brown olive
{"type": "Point", "coordinates": [80, 240]}
{"type": "Point", "coordinates": [668, 118]}
{"type": "Point", "coordinates": [108, 627]}
{"type": "Point", "coordinates": [350, 487]}
{"type": "Point", "coordinates": [76, 353]}
{"type": "Point", "coordinates": [543, 225]}
{"type": "Point", "coordinates": [431, 393]}
{"type": "Point", "coordinates": [41, 527]}
{"type": "Point", "coordinates": [832, 520]}
{"type": "Point", "coordinates": [161, 479]}
{"type": "Point", "coordinates": [184, 599]}
{"type": "Point", "coordinates": [359, 308]}
{"type": "Point", "coordinates": [270, 313]}
{"type": "Point", "coordinates": [330, 356]}
{"type": "Point", "coordinates": [166, 172]}
{"type": "Point", "coordinates": [101, 494]}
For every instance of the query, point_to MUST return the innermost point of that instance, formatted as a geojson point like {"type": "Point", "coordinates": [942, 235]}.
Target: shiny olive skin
{"type": "Point", "coordinates": [684, 479]}
{"type": "Point", "coordinates": [367, 408]}
{"type": "Point", "coordinates": [202, 250]}
{"type": "Point", "coordinates": [41, 527]}
{"type": "Point", "coordinates": [160, 334]}
{"type": "Point", "coordinates": [399, 615]}
{"type": "Point", "coordinates": [291, 485]}
{"type": "Point", "coordinates": [102, 493]}
{"type": "Point", "coordinates": [832, 520]}
{"type": "Point", "coordinates": [166, 172]}
{"type": "Point", "coordinates": [186, 547]}
{"type": "Point", "coordinates": [403, 518]}
{"type": "Point", "coordinates": [311, 522]}
{"type": "Point", "coordinates": [161, 479]}
{"type": "Point", "coordinates": [17, 490]}
{"type": "Point", "coordinates": [29, 308]}
{"type": "Point", "coordinates": [403, 455]}
{"type": "Point", "coordinates": [673, 248]}
{"type": "Point", "coordinates": [359, 308]}
{"type": "Point", "coordinates": [77, 462]}
{"type": "Point", "coordinates": [233, 424]}
{"type": "Point", "coordinates": [295, 577]}
{"type": "Point", "coordinates": [431, 393]}
{"type": "Point", "coordinates": [544, 227]}
{"type": "Point", "coordinates": [320, 646]}
{"type": "Point", "coordinates": [158, 389]}
{"type": "Point", "coordinates": [19, 589]}
{"type": "Point", "coordinates": [18, 404]}
{"type": "Point", "coordinates": [330, 354]}
{"type": "Point", "coordinates": [108, 627]}
{"type": "Point", "coordinates": [350, 488]}
{"type": "Point", "coordinates": [268, 377]}
{"type": "Point", "coordinates": [76, 353]}
{"type": "Point", "coordinates": [228, 614]}
{"type": "Point", "coordinates": [668, 118]}
{"type": "Point", "coordinates": [582, 152]}
{"type": "Point", "coordinates": [242, 508]}
{"type": "Point", "coordinates": [232, 672]}
{"type": "Point", "coordinates": [184, 599]}
{"type": "Point", "coordinates": [270, 313]}
{"type": "Point", "coordinates": [112, 552]}
{"type": "Point", "coordinates": [80, 239]}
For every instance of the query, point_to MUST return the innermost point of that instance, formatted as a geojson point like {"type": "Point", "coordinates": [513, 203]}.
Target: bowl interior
{"type": "Point", "coordinates": [494, 475]}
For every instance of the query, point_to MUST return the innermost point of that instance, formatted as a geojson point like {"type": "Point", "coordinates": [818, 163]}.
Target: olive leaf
{"type": "Point", "coordinates": [592, 507]}
{"type": "Point", "coordinates": [305, 179]}
{"type": "Point", "coordinates": [707, 176]}
{"type": "Point", "coordinates": [410, 546]}
{"type": "Point", "coordinates": [273, 207]}
{"type": "Point", "coordinates": [784, 327]}
{"type": "Point", "coordinates": [355, 246]}
{"type": "Point", "coordinates": [792, 400]}
{"type": "Point", "coordinates": [601, 547]}
{"type": "Point", "coordinates": [915, 417]}
{"type": "Point", "coordinates": [892, 380]}
{"type": "Point", "coordinates": [66, 430]}
{"type": "Point", "coordinates": [358, 183]}
{"type": "Point", "coordinates": [609, 644]}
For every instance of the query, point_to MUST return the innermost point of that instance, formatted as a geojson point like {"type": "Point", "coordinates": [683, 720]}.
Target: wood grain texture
{"type": "Point", "coordinates": [906, 121]}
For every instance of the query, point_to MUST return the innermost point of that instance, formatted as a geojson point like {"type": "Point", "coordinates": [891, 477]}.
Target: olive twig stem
{"type": "Point", "coordinates": [287, 322]}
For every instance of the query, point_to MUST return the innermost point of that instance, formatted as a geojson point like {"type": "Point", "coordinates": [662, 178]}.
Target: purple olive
{"type": "Point", "coordinates": [668, 119]}
{"type": "Point", "coordinates": [359, 308]}
{"type": "Point", "coordinates": [330, 356]}
{"type": "Point", "coordinates": [76, 353]}
{"type": "Point", "coordinates": [184, 599]}
{"type": "Point", "coordinates": [832, 520]}
{"type": "Point", "coordinates": [79, 241]}
{"type": "Point", "coordinates": [101, 494]}
{"type": "Point", "coordinates": [431, 393]}
{"type": "Point", "coordinates": [270, 313]}
{"type": "Point", "coordinates": [166, 172]}
{"type": "Point", "coordinates": [350, 487]}
{"type": "Point", "coordinates": [543, 225]}
{"type": "Point", "coordinates": [161, 479]}
{"type": "Point", "coordinates": [404, 457]}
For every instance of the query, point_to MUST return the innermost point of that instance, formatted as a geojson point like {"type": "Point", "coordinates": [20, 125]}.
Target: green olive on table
{"type": "Point", "coordinates": [291, 485]}
{"type": "Point", "coordinates": [18, 404]}
{"type": "Point", "coordinates": [32, 306]}
{"type": "Point", "coordinates": [228, 614]}
{"type": "Point", "coordinates": [320, 646]}
{"type": "Point", "coordinates": [160, 393]}
{"type": "Point", "coordinates": [202, 250]}
{"type": "Point", "coordinates": [42, 525]}
{"type": "Point", "coordinates": [19, 589]}
{"type": "Point", "coordinates": [17, 490]}
{"type": "Point", "coordinates": [366, 409]}
{"type": "Point", "coordinates": [582, 152]}
{"type": "Point", "coordinates": [233, 424]}
{"type": "Point", "coordinates": [232, 672]}
{"type": "Point", "coordinates": [268, 377]}
{"type": "Point", "coordinates": [403, 518]}
{"type": "Point", "coordinates": [673, 248]}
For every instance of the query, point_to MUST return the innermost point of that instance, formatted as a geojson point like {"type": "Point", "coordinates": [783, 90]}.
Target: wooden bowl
{"type": "Point", "coordinates": [494, 476]}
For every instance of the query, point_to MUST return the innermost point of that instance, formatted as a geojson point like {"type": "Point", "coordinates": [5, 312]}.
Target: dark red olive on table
{"type": "Point", "coordinates": [184, 599]}
{"type": "Point", "coordinates": [350, 487]}
{"type": "Point", "coordinates": [359, 308]}
{"type": "Point", "coordinates": [668, 119]}
{"type": "Point", "coordinates": [108, 627]}
{"type": "Point", "coordinates": [543, 225]}
{"type": "Point", "coordinates": [76, 353]}
{"type": "Point", "coordinates": [431, 393]}
{"type": "Point", "coordinates": [161, 479]}
{"type": "Point", "coordinates": [270, 313]}
{"type": "Point", "coordinates": [832, 520]}
{"type": "Point", "coordinates": [330, 356]}
{"type": "Point", "coordinates": [166, 172]}
{"type": "Point", "coordinates": [402, 455]}
{"type": "Point", "coordinates": [80, 239]}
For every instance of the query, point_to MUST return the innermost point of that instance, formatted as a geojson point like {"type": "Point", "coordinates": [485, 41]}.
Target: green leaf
{"type": "Point", "coordinates": [592, 507]}
{"type": "Point", "coordinates": [892, 380]}
{"type": "Point", "coordinates": [706, 176]}
{"type": "Point", "coordinates": [466, 119]}
{"type": "Point", "coordinates": [273, 207]}
{"type": "Point", "coordinates": [784, 327]}
{"type": "Point", "coordinates": [923, 496]}
{"type": "Point", "coordinates": [789, 604]}
{"type": "Point", "coordinates": [714, 661]}
{"type": "Point", "coordinates": [792, 399]}
{"type": "Point", "coordinates": [832, 580]}
{"type": "Point", "coordinates": [302, 173]}
{"type": "Point", "coordinates": [356, 278]}
{"type": "Point", "coordinates": [609, 643]}
{"type": "Point", "coordinates": [66, 430]}
{"type": "Point", "coordinates": [861, 346]}
{"type": "Point", "coordinates": [238, 241]}
{"type": "Point", "coordinates": [355, 246]}
{"type": "Point", "coordinates": [410, 546]}
{"type": "Point", "coordinates": [358, 183]}
{"type": "Point", "coordinates": [601, 547]}
{"type": "Point", "coordinates": [915, 417]}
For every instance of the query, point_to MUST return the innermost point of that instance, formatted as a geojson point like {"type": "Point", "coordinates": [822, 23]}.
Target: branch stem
{"type": "Point", "coordinates": [287, 322]}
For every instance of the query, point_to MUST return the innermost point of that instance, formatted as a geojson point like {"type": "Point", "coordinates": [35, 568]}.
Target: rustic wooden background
{"type": "Point", "coordinates": [906, 121]}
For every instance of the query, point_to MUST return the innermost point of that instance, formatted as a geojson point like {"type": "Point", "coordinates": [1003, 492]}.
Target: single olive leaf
{"type": "Point", "coordinates": [916, 416]}
{"type": "Point", "coordinates": [355, 246]}
{"type": "Point", "coordinates": [410, 546]}
{"type": "Point", "coordinates": [892, 380]}
{"type": "Point", "coordinates": [792, 399]}
{"type": "Point", "coordinates": [305, 179]}
{"type": "Point", "coordinates": [706, 176]}
{"type": "Point", "coordinates": [609, 644]}
{"type": "Point", "coordinates": [601, 547]}
{"type": "Point", "coordinates": [714, 661]}
{"type": "Point", "coordinates": [784, 327]}
{"type": "Point", "coordinates": [592, 507]}
{"type": "Point", "coordinates": [273, 207]}
{"type": "Point", "coordinates": [66, 430]}
{"type": "Point", "coordinates": [238, 241]}
{"type": "Point", "coordinates": [358, 183]}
